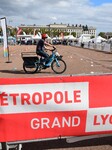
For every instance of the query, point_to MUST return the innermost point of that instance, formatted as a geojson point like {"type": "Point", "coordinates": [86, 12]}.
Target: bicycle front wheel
{"type": "Point", "coordinates": [30, 68]}
{"type": "Point", "coordinates": [58, 66]}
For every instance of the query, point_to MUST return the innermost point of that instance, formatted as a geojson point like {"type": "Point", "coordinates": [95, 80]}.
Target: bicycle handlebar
{"type": "Point", "coordinates": [54, 48]}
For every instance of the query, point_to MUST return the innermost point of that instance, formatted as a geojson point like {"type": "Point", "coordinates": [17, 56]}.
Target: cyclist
{"type": "Point", "coordinates": [42, 46]}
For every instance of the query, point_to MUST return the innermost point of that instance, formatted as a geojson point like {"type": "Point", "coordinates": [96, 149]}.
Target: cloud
{"type": "Point", "coordinates": [60, 11]}
{"type": "Point", "coordinates": [53, 18]}
{"type": "Point", "coordinates": [63, 4]}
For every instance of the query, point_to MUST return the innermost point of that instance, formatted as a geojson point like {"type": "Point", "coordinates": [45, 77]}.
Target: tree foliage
{"type": "Point", "coordinates": [102, 34]}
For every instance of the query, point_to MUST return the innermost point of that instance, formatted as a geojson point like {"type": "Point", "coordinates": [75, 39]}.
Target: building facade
{"type": "Point", "coordinates": [79, 30]}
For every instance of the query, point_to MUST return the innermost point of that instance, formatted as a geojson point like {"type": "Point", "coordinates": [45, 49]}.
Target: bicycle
{"type": "Point", "coordinates": [33, 63]}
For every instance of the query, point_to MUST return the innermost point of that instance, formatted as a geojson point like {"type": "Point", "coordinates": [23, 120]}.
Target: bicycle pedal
{"type": "Point", "coordinates": [44, 67]}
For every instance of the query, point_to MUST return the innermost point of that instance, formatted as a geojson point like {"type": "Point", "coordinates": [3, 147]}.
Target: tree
{"type": "Point", "coordinates": [102, 34]}
{"type": "Point", "coordinates": [92, 36]}
{"type": "Point", "coordinates": [11, 31]}
{"type": "Point", "coordinates": [85, 28]}
{"type": "Point", "coordinates": [66, 33]}
{"type": "Point", "coordinates": [74, 34]}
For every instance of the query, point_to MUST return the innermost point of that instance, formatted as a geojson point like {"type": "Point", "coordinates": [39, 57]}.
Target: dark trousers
{"type": "Point", "coordinates": [43, 54]}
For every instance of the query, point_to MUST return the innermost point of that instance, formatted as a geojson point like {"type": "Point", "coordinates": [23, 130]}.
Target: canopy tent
{"type": "Point", "coordinates": [1, 37]}
{"type": "Point", "coordinates": [110, 40]}
{"type": "Point", "coordinates": [11, 39]}
{"type": "Point", "coordinates": [83, 39]}
{"type": "Point", "coordinates": [98, 39]}
{"type": "Point", "coordinates": [49, 40]}
{"type": "Point", "coordinates": [68, 37]}
{"type": "Point", "coordinates": [36, 37]}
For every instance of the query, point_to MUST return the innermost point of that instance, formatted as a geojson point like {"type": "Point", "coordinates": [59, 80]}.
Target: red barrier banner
{"type": "Point", "coordinates": [51, 107]}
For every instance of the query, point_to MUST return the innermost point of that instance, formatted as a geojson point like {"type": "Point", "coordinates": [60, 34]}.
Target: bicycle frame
{"type": "Point", "coordinates": [52, 58]}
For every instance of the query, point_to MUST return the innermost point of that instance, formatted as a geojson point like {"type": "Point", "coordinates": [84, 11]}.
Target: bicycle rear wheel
{"type": "Point", "coordinates": [30, 68]}
{"type": "Point", "coordinates": [58, 66]}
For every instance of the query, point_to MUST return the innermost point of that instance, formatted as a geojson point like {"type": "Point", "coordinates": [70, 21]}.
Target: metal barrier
{"type": "Point", "coordinates": [105, 47]}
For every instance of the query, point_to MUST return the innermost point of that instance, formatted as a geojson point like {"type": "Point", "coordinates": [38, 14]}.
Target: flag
{"type": "Point", "coordinates": [62, 35]}
{"type": "Point", "coordinates": [5, 39]}
{"type": "Point", "coordinates": [19, 30]}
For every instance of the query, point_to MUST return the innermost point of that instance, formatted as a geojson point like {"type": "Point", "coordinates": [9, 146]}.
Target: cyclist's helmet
{"type": "Point", "coordinates": [44, 36]}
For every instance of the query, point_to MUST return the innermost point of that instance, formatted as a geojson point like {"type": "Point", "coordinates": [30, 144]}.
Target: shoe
{"type": "Point", "coordinates": [48, 64]}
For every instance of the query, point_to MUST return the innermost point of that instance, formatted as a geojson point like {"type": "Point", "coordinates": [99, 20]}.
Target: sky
{"type": "Point", "coordinates": [96, 13]}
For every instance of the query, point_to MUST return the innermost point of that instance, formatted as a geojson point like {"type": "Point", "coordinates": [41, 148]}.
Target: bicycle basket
{"type": "Point", "coordinates": [30, 60]}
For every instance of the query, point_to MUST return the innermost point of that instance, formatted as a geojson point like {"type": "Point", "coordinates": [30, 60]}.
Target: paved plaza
{"type": "Point", "coordinates": [79, 62]}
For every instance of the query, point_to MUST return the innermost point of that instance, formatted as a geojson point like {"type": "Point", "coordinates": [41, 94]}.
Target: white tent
{"type": "Point", "coordinates": [84, 38]}
{"type": "Point", "coordinates": [98, 39]}
{"type": "Point", "coordinates": [49, 40]}
{"type": "Point", "coordinates": [37, 36]}
{"type": "Point", "coordinates": [1, 37]}
{"type": "Point", "coordinates": [110, 40]}
{"type": "Point", "coordinates": [56, 38]}
{"type": "Point", "coordinates": [68, 37]}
